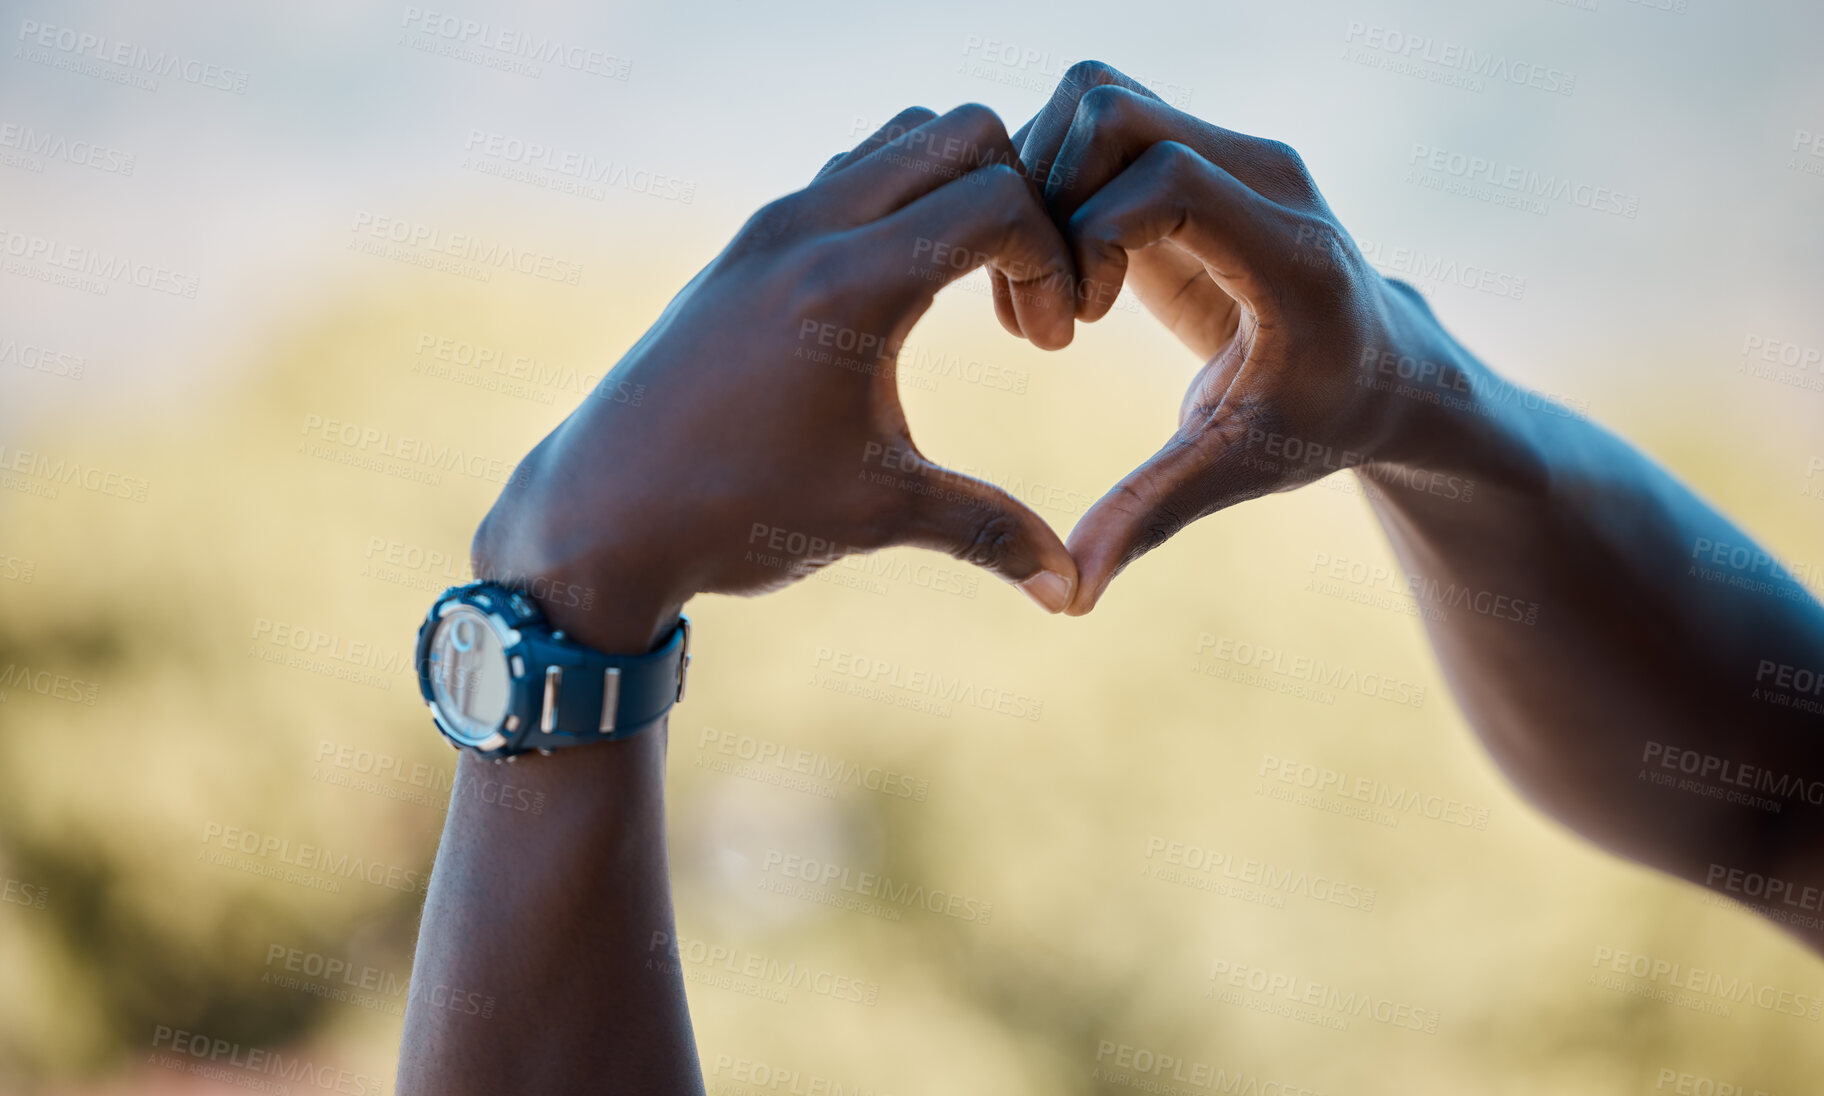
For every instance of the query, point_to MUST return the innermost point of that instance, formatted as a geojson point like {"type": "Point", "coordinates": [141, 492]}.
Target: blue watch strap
{"type": "Point", "coordinates": [579, 684]}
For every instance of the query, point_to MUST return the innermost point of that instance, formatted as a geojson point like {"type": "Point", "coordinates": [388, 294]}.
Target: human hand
{"type": "Point", "coordinates": [1226, 240]}
{"type": "Point", "coordinates": [755, 433]}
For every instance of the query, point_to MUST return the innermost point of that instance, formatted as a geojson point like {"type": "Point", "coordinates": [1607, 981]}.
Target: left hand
{"type": "Point", "coordinates": [755, 433]}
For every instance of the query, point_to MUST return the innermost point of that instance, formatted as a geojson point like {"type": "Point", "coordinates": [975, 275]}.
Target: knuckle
{"type": "Point", "coordinates": [899, 126]}
{"type": "Point", "coordinates": [1411, 293]}
{"type": "Point", "coordinates": [1156, 516]}
{"type": "Point", "coordinates": [1004, 181]}
{"type": "Point", "coordinates": [911, 118]}
{"type": "Point", "coordinates": [1324, 261]}
{"type": "Point", "coordinates": [1281, 155]}
{"type": "Point", "coordinates": [1229, 421]}
{"type": "Point", "coordinates": [774, 221]}
{"type": "Point", "coordinates": [978, 121]}
{"type": "Point", "coordinates": [1164, 523]}
{"type": "Point", "coordinates": [1010, 203]}
{"type": "Point", "coordinates": [1104, 105]}
{"type": "Point", "coordinates": [1175, 161]}
{"type": "Point", "coordinates": [968, 137]}
{"type": "Point", "coordinates": [993, 538]}
{"type": "Point", "coordinates": [1286, 169]}
{"type": "Point", "coordinates": [1091, 74]}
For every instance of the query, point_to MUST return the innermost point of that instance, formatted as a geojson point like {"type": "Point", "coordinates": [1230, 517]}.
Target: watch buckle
{"type": "Point", "coordinates": [684, 659]}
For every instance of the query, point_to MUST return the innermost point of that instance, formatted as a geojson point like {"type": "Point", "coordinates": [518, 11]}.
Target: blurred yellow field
{"type": "Point", "coordinates": [1227, 834]}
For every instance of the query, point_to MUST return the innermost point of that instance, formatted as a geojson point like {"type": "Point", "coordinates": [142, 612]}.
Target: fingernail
{"type": "Point", "coordinates": [1050, 589]}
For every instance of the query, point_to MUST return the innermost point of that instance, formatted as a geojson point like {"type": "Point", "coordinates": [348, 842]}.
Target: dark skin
{"type": "Point", "coordinates": [1630, 652]}
{"type": "Point", "coordinates": [767, 394]}
{"type": "Point", "coordinates": [1574, 631]}
{"type": "Point", "coordinates": [764, 420]}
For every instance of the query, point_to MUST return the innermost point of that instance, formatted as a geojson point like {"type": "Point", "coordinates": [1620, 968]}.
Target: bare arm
{"type": "Point", "coordinates": [1596, 620]}
{"type": "Point", "coordinates": [1651, 695]}
{"type": "Point", "coordinates": [752, 436]}
{"type": "Point", "coordinates": [542, 960]}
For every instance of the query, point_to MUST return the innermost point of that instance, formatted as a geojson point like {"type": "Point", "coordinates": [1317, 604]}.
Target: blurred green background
{"type": "Point", "coordinates": [186, 714]}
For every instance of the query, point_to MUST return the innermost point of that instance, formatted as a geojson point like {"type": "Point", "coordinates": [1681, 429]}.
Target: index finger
{"type": "Point", "coordinates": [987, 218]}
{"type": "Point", "coordinates": [913, 163]}
{"type": "Point", "coordinates": [1114, 126]}
{"type": "Point", "coordinates": [1040, 139]}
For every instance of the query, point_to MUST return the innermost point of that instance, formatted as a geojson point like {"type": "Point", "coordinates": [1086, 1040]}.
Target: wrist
{"type": "Point", "coordinates": [1443, 412]}
{"type": "Point", "coordinates": [1426, 388]}
{"type": "Point", "coordinates": [603, 600]}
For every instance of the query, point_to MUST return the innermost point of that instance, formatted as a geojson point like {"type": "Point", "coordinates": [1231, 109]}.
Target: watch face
{"type": "Point", "coordinates": [469, 676]}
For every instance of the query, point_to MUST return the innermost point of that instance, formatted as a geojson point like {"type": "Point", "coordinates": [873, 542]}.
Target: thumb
{"type": "Point", "coordinates": [1175, 486]}
{"type": "Point", "coordinates": [979, 523]}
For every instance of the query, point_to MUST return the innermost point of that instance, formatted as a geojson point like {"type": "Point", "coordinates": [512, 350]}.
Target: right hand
{"type": "Point", "coordinates": [755, 433]}
{"type": "Point", "coordinates": [1226, 240]}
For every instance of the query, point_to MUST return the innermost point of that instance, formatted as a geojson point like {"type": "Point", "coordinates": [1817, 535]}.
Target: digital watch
{"type": "Point", "coordinates": [501, 682]}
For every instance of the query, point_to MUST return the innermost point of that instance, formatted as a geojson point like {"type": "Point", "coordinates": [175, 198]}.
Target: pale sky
{"type": "Point", "coordinates": [1692, 116]}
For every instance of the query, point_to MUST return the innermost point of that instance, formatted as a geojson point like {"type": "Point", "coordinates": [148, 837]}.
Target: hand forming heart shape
{"type": "Point", "coordinates": [768, 439]}
{"type": "Point", "coordinates": [1227, 241]}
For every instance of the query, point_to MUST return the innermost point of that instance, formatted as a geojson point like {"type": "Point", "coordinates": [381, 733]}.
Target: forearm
{"type": "Point", "coordinates": [710, 429]}
{"type": "Point", "coordinates": [552, 917]}
{"type": "Point", "coordinates": [1584, 622]}
{"type": "Point", "coordinates": [549, 907]}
